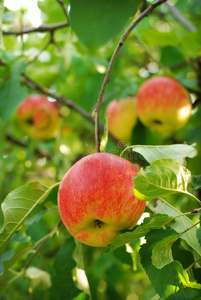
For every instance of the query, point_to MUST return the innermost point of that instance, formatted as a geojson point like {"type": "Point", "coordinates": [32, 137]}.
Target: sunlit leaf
{"type": "Point", "coordinates": [162, 177]}
{"type": "Point", "coordinates": [18, 205]}
{"type": "Point", "coordinates": [176, 151]}
{"type": "Point", "coordinates": [162, 252]}
{"type": "Point", "coordinates": [148, 224]}
{"type": "Point", "coordinates": [39, 279]}
{"type": "Point", "coordinates": [181, 224]}
{"type": "Point", "coordinates": [155, 37]}
{"type": "Point", "coordinates": [169, 279]}
{"type": "Point", "coordinates": [186, 293]}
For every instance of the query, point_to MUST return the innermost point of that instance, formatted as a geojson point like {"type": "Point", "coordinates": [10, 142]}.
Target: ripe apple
{"type": "Point", "coordinates": [96, 199]}
{"type": "Point", "coordinates": [122, 118]}
{"type": "Point", "coordinates": [163, 104]}
{"type": "Point", "coordinates": [39, 118]}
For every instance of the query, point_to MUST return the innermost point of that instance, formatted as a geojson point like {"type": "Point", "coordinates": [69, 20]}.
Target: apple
{"type": "Point", "coordinates": [163, 104]}
{"type": "Point", "coordinates": [39, 118]}
{"type": "Point", "coordinates": [122, 118]}
{"type": "Point", "coordinates": [96, 199]}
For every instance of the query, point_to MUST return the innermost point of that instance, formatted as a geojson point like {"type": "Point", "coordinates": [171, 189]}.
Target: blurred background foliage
{"type": "Point", "coordinates": [69, 61]}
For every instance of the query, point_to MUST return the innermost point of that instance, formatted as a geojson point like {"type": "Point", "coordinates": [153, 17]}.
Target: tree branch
{"type": "Point", "coordinates": [179, 17]}
{"type": "Point", "coordinates": [35, 86]}
{"type": "Point", "coordinates": [144, 14]}
{"type": "Point", "coordinates": [63, 6]}
{"type": "Point", "coordinates": [41, 28]}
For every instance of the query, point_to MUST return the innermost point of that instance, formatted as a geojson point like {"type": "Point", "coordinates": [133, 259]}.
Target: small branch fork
{"type": "Point", "coordinates": [144, 14]}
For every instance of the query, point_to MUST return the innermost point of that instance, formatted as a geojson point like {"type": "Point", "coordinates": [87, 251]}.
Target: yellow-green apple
{"type": "Point", "coordinates": [163, 104]}
{"type": "Point", "coordinates": [122, 118]}
{"type": "Point", "coordinates": [96, 199]}
{"type": "Point", "coordinates": [39, 118]}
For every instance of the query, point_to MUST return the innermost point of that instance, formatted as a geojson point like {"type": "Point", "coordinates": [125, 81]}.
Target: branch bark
{"type": "Point", "coordinates": [41, 28]}
{"type": "Point", "coordinates": [144, 14]}
{"type": "Point", "coordinates": [179, 17]}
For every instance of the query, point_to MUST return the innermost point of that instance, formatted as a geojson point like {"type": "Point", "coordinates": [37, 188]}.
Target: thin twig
{"type": "Point", "coordinates": [144, 14]}
{"type": "Point", "coordinates": [179, 17]}
{"type": "Point", "coordinates": [41, 28]}
{"type": "Point", "coordinates": [41, 245]}
{"type": "Point", "coordinates": [35, 86]}
{"type": "Point", "coordinates": [63, 6]}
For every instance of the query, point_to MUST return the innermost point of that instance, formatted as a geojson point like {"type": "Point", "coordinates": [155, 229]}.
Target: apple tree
{"type": "Point", "coordinates": [83, 56]}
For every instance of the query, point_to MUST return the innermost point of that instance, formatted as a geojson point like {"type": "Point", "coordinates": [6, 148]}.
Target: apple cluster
{"type": "Point", "coordinates": [39, 118]}
{"type": "Point", "coordinates": [95, 198]}
{"type": "Point", "coordinates": [162, 104]}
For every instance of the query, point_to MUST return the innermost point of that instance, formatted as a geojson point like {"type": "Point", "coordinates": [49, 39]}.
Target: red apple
{"type": "Point", "coordinates": [122, 118]}
{"type": "Point", "coordinates": [96, 199]}
{"type": "Point", "coordinates": [163, 104]}
{"type": "Point", "coordinates": [39, 118]}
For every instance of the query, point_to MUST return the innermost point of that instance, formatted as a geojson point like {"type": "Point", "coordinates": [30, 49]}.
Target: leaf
{"type": "Point", "coordinates": [198, 234]}
{"type": "Point", "coordinates": [162, 252]}
{"type": "Point", "coordinates": [97, 22]}
{"type": "Point", "coordinates": [21, 250]}
{"type": "Point", "coordinates": [40, 280]}
{"type": "Point", "coordinates": [18, 205]}
{"type": "Point", "coordinates": [176, 152]}
{"type": "Point", "coordinates": [155, 37]}
{"type": "Point", "coordinates": [186, 293]}
{"type": "Point", "coordinates": [196, 182]}
{"type": "Point", "coordinates": [148, 224]}
{"type": "Point", "coordinates": [181, 224]}
{"type": "Point", "coordinates": [11, 92]}
{"type": "Point", "coordinates": [63, 265]}
{"type": "Point", "coordinates": [169, 279]}
{"type": "Point", "coordinates": [162, 177]}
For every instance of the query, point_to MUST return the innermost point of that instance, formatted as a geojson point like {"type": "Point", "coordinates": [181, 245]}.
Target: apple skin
{"type": "Point", "coordinates": [39, 118]}
{"type": "Point", "coordinates": [163, 104]}
{"type": "Point", "coordinates": [122, 118]}
{"type": "Point", "coordinates": [96, 199]}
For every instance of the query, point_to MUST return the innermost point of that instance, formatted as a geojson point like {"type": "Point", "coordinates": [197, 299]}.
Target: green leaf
{"type": "Point", "coordinates": [169, 279]}
{"type": "Point", "coordinates": [198, 234]}
{"type": "Point", "coordinates": [181, 224]}
{"type": "Point", "coordinates": [9, 258]}
{"type": "Point", "coordinates": [162, 252]}
{"type": "Point", "coordinates": [148, 224]}
{"type": "Point", "coordinates": [193, 39]}
{"type": "Point", "coordinates": [97, 22]}
{"type": "Point", "coordinates": [155, 37]}
{"type": "Point", "coordinates": [196, 182]}
{"type": "Point", "coordinates": [11, 91]}
{"type": "Point", "coordinates": [63, 265]}
{"type": "Point", "coordinates": [162, 177]}
{"type": "Point", "coordinates": [186, 293]}
{"type": "Point", "coordinates": [123, 256]}
{"type": "Point", "coordinates": [18, 205]}
{"type": "Point", "coordinates": [176, 152]}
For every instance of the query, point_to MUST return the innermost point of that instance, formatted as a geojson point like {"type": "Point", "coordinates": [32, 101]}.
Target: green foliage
{"type": "Point", "coordinates": [95, 23]}
{"type": "Point", "coordinates": [12, 91]}
{"type": "Point", "coordinates": [67, 59]}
